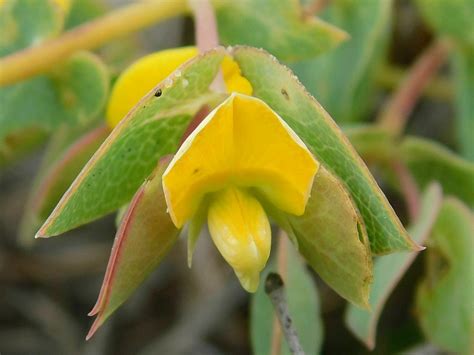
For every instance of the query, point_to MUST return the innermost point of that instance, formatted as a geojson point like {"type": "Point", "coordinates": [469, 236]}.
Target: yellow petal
{"type": "Point", "coordinates": [143, 75]}
{"type": "Point", "coordinates": [234, 81]}
{"type": "Point", "coordinates": [240, 143]}
{"type": "Point", "coordinates": [240, 230]}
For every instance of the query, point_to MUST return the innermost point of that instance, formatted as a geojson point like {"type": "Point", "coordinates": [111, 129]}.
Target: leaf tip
{"type": "Point", "coordinates": [97, 323]}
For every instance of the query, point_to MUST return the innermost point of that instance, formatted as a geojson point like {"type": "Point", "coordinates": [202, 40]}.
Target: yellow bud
{"type": "Point", "coordinates": [240, 230]}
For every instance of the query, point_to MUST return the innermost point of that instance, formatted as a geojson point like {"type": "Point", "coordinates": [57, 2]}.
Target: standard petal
{"type": "Point", "coordinates": [241, 143]}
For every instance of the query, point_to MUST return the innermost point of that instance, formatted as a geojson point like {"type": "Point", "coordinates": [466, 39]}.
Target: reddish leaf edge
{"type": "Point", "coordinates": [120, 238]}
{"type": "Point", "coordinates": [76, 148]}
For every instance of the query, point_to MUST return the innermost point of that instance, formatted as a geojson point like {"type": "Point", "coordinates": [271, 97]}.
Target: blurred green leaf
{"type": "Point", "coordinates": [331, 237]}
{"type": "Point", "coordinates": [343, 79]}
{"type": "Point", "coordinates": [372, 142]}
{"type": "Point", "coordinates": [428, 161]}
{"type": "Point", "coordinates": [17, 145]}
{"type": "Point", "coordinates": [55, 178]}
{"type": "Point", "coordinates": [82, 11]}
{"type": "Point", "coordinates": [453, 18]}
{"type": "Point", "coordinates": [73, 93]}
{"type": "Point", "coordinates": [278, 87]}
{"type": "Point", "coordinates": [445, 298]}
{"type": "Point", "coordinates": [303, 304]}
{"type": "Point", "coordinates": [279, 26]}
{"type": "Point", "coordinates": [25, 23]}
{"type": "Point", "coordinates": [463, 71]}
{"type": "Point", "coordinates": [388, 271]}
{"type": "Point", "coordinates": [152, 129]}
{"type": "Point", "coordinates": [145, 236]}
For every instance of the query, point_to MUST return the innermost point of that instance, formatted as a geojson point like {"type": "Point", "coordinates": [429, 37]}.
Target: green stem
{"type": "Point", "coordinates": [36, 60]}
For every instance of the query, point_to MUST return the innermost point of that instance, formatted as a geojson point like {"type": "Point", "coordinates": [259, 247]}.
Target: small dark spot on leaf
{"type": "Point", "coordinates": [195, 171]}
{"type": "Point", "coordinates": [158, 93]}
{"type": "Point", "coordinates": [285, 94]}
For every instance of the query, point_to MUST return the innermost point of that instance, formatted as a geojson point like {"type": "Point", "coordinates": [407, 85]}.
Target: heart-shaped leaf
{"type": "Point", "coordinates": [279, 26]}
{"type": "Point", "coordinates": [145, 236]}
{"type": "Point", "coordinates": [388, 271]}
{"type": "Point", "coordinates": [153, 128]}
{"type": "Point", "coordinates": [73, 93]}
{"type": "Point", "coordinates": [279, 88]}
{"type": "Point", "coordinates": [24, 23]}
{"type": "Point", "coordinates": [331, 235]}
{"type": "Point", "coordinates": [343, 79]}
{"type": "Point", "coordinates": [445, 298]}
{"type": "Point", "coordinates": [303, 304]}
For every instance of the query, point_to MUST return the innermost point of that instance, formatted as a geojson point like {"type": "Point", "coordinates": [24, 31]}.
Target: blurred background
{"type": "Point", "coordinates": [47, 290]}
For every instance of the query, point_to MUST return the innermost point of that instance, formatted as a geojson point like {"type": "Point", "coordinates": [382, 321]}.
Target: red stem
{"type": "Point", "coordinates": [396, 112]}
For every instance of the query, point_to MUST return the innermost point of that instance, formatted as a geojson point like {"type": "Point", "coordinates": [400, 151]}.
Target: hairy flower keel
{"type": "Point", "coordinates": [240, 151]}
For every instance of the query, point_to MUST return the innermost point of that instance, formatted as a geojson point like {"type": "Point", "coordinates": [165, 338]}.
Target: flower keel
{"type": "Point", "coordinates": [240, 230]}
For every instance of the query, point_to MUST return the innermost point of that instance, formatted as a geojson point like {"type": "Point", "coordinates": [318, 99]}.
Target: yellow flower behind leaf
{"type": "Point", "coordinates": [143, 75]}
{"type": "Point", "coordinates": [241, 150]}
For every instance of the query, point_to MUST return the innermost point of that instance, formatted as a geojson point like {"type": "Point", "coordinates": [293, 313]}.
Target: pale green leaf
{"type": "Point", "coordinates": [73, 93]}
{"type": "Point", "coordinates": [428, 161]}
{"type": "Point", "coordinates": [25, 23]}
{"type": "Point", "coordinates": [343, 79]}
{"type": "Point", "coordinates": [445, 298]}
{"type": "Point", "coordinates": [279, 88]}
{"type": "Point", "coordinates": [279, 26]}
{"type": "Point", "coordinates": [463, 72]}
{"type": "Point", "coordinates": [453, 18]}
{"type": "Point", "coordinates": [388, 270]}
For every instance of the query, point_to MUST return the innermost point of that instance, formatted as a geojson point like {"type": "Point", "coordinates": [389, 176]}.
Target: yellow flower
{"type": "Point", "coordinates": [240, 153]}
{"type": "Point", "coordinates": [143, 75]}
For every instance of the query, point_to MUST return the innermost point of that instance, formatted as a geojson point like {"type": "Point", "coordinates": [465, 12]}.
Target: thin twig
{"type": "Point", "coordinates": [396, 112]}
{"type": "Point", "coordinates": [39, 59]}
{"type": "Point", "coordinates": [282, 267]}
{"type": "Point", "coordinates": [275, 290]}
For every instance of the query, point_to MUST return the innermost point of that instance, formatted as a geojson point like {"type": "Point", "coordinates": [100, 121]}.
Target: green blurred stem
{"type": "Point", "coordinates": [39, 59]}
{"type": "Point", "coordinates": [396, 112]}
{"type": "Point", "coordinates": [439, 88]}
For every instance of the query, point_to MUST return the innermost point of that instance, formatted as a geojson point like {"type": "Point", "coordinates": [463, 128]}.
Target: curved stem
{"type": "Point", "coordinates": [396, 112]}
{"type": "Point", "coordinates": [409, 189]}
{"type": "Point", "coordinates": [36, 60]}
{"type": "Point", "coordinates": [207, 37]}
